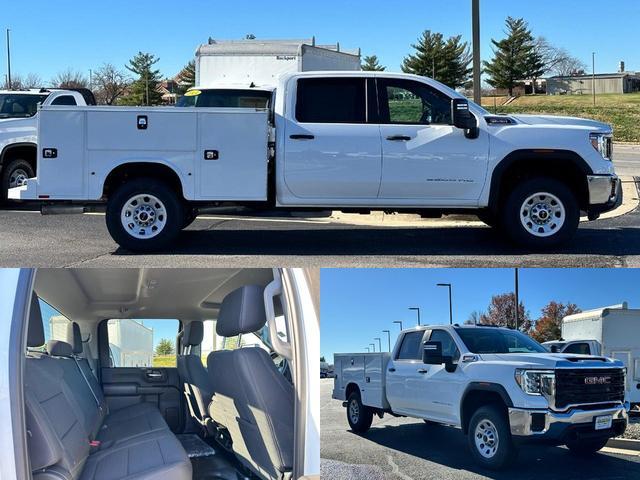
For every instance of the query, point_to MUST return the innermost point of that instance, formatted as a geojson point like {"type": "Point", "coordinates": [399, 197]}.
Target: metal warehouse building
{"type": "Point", "coordinates": [625, 82]}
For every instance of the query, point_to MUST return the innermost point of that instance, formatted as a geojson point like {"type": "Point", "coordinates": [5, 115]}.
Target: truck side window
{"type": "Point", "coordinates": [142, 342]}
{"type": "Point", "coordinates": [578, 348]}
{"type": "Point", "coordinates": [411, 347]}
{"type": "Point", "coordinates": [56, 325]}
{"type": "Point", "coordinates": [407, 102]}
{"type": "Point", "coordinates": [64, 100]}
{"type": "Point", "coordinates": [449, 347]}
{"type": "Point", "coordinates": [331, 100]}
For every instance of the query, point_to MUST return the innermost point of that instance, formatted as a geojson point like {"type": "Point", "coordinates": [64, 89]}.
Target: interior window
{"type": "Point", "coordinates": [56, 325]}
{"type": "Point", "coordinates": [410, 349]}
{"type": "Point", "coordinates": [578, 348]}
{"type": "Point", "coordinates": [331, 100]}
{"type": "Point", "coordinates": [142, 343]}
{"type": "Point", "coordinates": [449, 347]}
{"type": "Point", "coordinates": [413, 103]}
{"type": "Point", "coordinates": [226, 98]}
{"type": "Point", "coordinates": [64, 100]}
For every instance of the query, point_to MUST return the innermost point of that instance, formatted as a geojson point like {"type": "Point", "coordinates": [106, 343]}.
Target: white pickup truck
{"type": "Point", "coordinates": [350, 141]}
{"type": "Point", "coordinates": [18, 130]}
{"type": "Point", "coordinates": [498, 385]}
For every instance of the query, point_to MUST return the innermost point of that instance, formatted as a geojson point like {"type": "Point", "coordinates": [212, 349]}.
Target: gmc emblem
{"type": "Point", "coordinates": [597, 380]}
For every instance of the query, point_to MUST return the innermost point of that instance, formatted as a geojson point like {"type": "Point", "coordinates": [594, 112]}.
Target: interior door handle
{"type": "Point", "coordinates": [422, 370]}
{"type": "Point", "coordinates": [154, 375]}
{"type": "Point", "coordinates": [299, 136]}
{"type": "Point", "coordinates": [392, 369]}
{"type": "Point", "coordinates": [399, 138]}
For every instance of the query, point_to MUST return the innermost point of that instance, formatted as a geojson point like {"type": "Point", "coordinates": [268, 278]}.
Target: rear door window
{"type": "Point", "coordinates": [64, 100]}
{"type": "Point", "coordinates": [56, 325]}
{"type": "Point", "coordinates": [331, 100]}
{"type": "Point", "coordinates": [142, 343]}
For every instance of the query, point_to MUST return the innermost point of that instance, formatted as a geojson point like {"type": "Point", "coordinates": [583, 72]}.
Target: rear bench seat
{"type": "Point", "coordinates": [71, 434]}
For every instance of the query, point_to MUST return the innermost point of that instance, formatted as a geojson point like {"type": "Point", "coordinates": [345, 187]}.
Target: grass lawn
{"type": "Point", "coordinates": [621, 111]}
{"type": "Point", "coordinates": [164, 361]}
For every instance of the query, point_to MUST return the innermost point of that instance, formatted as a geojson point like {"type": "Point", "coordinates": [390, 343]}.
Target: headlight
{"type": "Point", "coordinates": [603, 143]}
{"type": "Point", "coordinates": [536, 382]}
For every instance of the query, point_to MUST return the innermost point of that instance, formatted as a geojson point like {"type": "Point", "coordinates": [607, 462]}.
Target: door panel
{"type": "Point", "coordinates": [126, 386]}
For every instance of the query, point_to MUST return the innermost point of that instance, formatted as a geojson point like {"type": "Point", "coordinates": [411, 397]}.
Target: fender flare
{"type": "Point", "coordinates": [482, 387]}
{"type": "Point", "coordinates": [11, 146]}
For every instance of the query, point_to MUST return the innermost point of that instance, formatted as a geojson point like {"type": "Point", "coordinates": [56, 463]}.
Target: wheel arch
{"type": "Point", "coordinates": [143, 169]}
{"type": "Point", "coordinates": [27, 151]}
{"type": "Point", "coordinates": [351, 388]}
{"type": "Point", "coordinates": [478, 394]}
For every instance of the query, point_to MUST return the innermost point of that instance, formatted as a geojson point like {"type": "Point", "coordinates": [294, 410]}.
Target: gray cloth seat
{"type": "Point", "coordinates": [63, 419]}
{"type": "Point", "coordinates": [251, 398]}
{"type": "Point", "coordinates": [197, 384]}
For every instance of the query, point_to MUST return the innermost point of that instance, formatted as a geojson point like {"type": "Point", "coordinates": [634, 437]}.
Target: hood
{"type": "Point", "coordinates": [567, 121]}
{"type": "Point", "coordinates": [551, 360]}
{"type": "Point", "coordinates": [19, 126]}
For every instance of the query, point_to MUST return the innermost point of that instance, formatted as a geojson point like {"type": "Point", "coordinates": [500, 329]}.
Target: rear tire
{"type": "Point", "coordinates": [359, 416]}
{"type": "Point", "coordinates": [489, 438]}
{"type": "Point", "coordinates": [540, 212]}
{"type": "Point", "coordinates": [586, 448]}
{"type": "Point", "coordinates": [144, 215]}
{"type": "Point", "coordinates": [14, 174]}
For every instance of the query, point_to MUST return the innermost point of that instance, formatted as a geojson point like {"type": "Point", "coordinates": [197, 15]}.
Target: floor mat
{"type": "Point", "coordinates": [195, 446]}
{"type": "Point", "coordinates": [215, 467]}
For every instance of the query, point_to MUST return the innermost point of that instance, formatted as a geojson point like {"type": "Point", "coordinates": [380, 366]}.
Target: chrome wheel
{"type": "Point", "coordinates": [354, 411]}
{"type": "Point", "coordinates": [486, 437]}
{"type": "Point", "coordinates": [542, 214]}
{"type": "Point", "coordinates": [143, 216]}
{"type": "Point", "coordinates": [18, 178]}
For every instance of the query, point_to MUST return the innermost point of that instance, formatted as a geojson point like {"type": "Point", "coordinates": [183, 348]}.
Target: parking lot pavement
{"type": "Point", "coordinates": [404, 449]}
{"type": "Point", "coordinates": [626, 159]}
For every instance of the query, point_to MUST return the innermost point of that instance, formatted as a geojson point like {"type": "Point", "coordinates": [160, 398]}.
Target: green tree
{"type": "Point", "coordinates": [165, 347]}
{"type": "Point", "coordinates": [144, 89]}
{"type": "Point", "coordinates": [515, 57]}
{"type": "Point", "coordinates": [370, 64]}
{"type": "Point", "coordinates": [448, 61]}
{"type": "Point", "coordinates": [187, 77]}
{"type": "Point", "coordinates": [549, 325]}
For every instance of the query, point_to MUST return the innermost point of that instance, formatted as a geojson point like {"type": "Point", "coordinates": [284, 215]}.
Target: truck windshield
{"type": "Point", "coordinates": [19, 105]}
{"type": "Point", "coordinates": [226, 98]}
{"type": "Point", "coordinates": [489, 340]}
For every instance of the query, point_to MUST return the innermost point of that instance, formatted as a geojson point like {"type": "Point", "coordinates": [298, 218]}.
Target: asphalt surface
{"type": "Point", "coordinates": [626, 159]}
{"type": "Point", "coordinates": [405, 449]}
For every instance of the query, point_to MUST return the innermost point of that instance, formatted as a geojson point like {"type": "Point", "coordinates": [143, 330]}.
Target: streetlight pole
{"type": "Point", "coordinates": [368, 349]}
{"type": "Point", "coordinates": [399, 322]}
{"type": "Point", "coordinates": [448, 285]}
{"type": "Point", "coordinates": [417, 309]}
{"type": "Point", "coordinates": [379, 344]}
{"type": "Point", "coordinates": [8, 62]}
{"type": "Point", "coordinates": [373, 345]}
{"type": "Point", "coordinates": [517, 295]}
{"type": "Point", "coordinates": [388, 338]}
{"type": "Point", "coordinates": [477, 87]}
{"type": "Point", "coordinates": [593, 76]}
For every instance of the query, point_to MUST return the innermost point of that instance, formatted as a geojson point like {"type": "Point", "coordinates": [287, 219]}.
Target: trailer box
{"type": "Point", "coordinates": [368, 370]}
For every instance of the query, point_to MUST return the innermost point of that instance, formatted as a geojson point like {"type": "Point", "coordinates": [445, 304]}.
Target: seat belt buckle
{"type": "Point", "coordinates": [95, 444]}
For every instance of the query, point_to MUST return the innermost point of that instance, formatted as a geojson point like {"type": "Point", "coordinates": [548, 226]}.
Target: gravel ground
{"type": "Point", "coordinates": [343, 471]}
{"type": "Point", "coordinates": [633, 429]}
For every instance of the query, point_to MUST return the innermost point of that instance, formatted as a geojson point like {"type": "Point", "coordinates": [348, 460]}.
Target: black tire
{"type": "Point", "coordinates": [488, 217]}
{"type": "Point", "coordinates": [586, 447]}
{"type": "Point", "coordinates": [8, 172]}
{"type": "Point", "coordinates": [505, 451]}
{"type": "Point", "coordinates": [361, 422]}
{"type": "Point", "coordinates": [511, 213]}
{"type": "Point", "coordinates": [173, 208]}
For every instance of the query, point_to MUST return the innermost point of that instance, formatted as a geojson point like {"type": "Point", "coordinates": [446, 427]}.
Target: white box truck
{"type": "Point", "coordinates": [611, 332]}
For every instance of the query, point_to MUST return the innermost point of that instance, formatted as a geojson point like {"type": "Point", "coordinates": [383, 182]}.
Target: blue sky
{"type": "Point", "coordinates": [85, 34]}
{"type": "Point", "coordinates": [357, 304]}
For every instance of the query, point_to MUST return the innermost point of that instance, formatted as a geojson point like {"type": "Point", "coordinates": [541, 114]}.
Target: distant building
{"type": "Point", "coordinates": [623, 82]}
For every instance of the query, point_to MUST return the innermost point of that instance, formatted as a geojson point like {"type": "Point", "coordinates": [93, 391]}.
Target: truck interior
{"type": "Point", "coordinates": [158, 373]}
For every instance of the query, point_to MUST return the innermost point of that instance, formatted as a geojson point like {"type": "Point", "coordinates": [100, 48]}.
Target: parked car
{"type": "Point", "coordinates": [611, 332]}
{"type": "Point", "coordinates": [250, 409]}
{"type": "Point", "coordinates": [351, 141]}
{"type": "Point", "coordinates": [499, 386]}
{"type": "Point", "coordinates": [18, 130]}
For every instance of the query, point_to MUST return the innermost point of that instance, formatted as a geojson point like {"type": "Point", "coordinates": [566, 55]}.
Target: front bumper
{"type": "Point", "coordinates": [605, 194]}
{"type": "Point", "coordinates": [556, 427]}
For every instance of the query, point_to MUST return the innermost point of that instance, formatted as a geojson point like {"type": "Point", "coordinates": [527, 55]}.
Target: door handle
{"type": "Point", "coordinates": [299, 136]}
{"type": "Point", "coordinates": [422, 370]}
{"type": "Point", "coordinates": [399, 138]}
{"type": "Point", "coordinates": [154, 375]}
{"type": "Point", "coordinates": [392, 369]}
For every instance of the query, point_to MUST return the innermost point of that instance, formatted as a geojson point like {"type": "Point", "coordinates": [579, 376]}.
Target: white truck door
{"type": "Point", "coordinates": [424, 157]}
{"type": "Point", "coordinates": [404, 380]}
{"type": "Point", "coordinates": [331, 152]}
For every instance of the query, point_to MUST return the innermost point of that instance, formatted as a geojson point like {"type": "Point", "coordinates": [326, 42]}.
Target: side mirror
{"type": "Point", "coordinates": [554, 349]}
{"type": "Point", "coordinates": [432, 353]}
{"type": "Point", "coordinates": [463, 118]}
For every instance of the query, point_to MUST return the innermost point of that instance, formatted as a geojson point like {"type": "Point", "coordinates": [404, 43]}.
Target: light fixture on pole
{"type": "Point", "coordinates": [368, 349]}
{"type": "Point", "coordinates": [593, 75]}
{"type": "Point", "coordinates": [517, 299]}
{"type": "Point", "coordinates": [379, 344]}
{"type": "Point", "coordinates": [398, 322]}
{"type": "Point", "coordinates": [372, 345]}
{"type": "Point", "coordinates": [448, 285]}
{"type": "Point", "coordinates": [8, 62]}
{"type": "Point", "coordinates": [417, 309]}
{"type": "Point", "coordinates": [388, 338]}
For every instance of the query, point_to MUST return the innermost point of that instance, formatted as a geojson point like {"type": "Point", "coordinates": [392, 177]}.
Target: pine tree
{"type": "Point", "coordinates": [144, 89]}
{"type": "Point", "coordinates": [371, 64]}
{"type": "Point", "coordinates": [165, 347]}
{"type": "Point", "coordinates": [447, 61]}
{"type": "Point", "coordinates": [516, 57]}
{"type": "Point", "coordinates": [187, 77]}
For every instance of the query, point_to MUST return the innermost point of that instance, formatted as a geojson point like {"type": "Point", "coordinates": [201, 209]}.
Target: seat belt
{"type": "Point", "coordinates": [95, 397]}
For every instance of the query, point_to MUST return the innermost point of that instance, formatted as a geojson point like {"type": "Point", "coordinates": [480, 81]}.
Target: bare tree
{"type": "Point", "coordinates": [110, 84]}
{"type": "Point", "coordinates": [70, 79]}
{"type": "Point", "coordinates": [558, 61]}
{"type": "Point", "coordinates": [33, 80]}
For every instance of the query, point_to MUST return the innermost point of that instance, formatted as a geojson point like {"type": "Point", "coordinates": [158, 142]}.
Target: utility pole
{"type": "Point", "coordinates": [388, 338]}
{"type": "Point", "coordinates": [146, 79]}
{"type": "Point", "coordinates": [379, 343]}
{"type": "Point", "coordinates": [373, 345]}
{"type": "Point", "coordinates": [450, 303]}
{"type": "Point", "coordinates": [90, 79]}
{"type": "Point", "coordinates": [593, 76]}
{"type": "Point", "coordinates": [417, 309]}
{"type": "Point", "coordinates": [8, 62]}
{"type": "Point", "coordinates": [517, 295]}
{"type": "Point", "coordinates": [433, 67]}
{"type": "Point", "coordinates": [399, 322]}
{"type": "Point", "coordinates": [368, 349]}
{"type": "Point", "coordinates": [477, 87]}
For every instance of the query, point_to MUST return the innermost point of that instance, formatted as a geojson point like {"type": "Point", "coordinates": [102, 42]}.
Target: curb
{"type": "Point", "coordinates": [624, 444]}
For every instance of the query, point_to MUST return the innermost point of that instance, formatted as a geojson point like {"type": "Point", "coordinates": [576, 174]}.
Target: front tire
{"type": "Point", "coordinates": [144, 215]}
{"type": "Point", "coordinates": [540, 212]}
{"type": "Point", "coordinates": [489, 438]}
{"type": "Point", "coordinates": [586, 447]}
{"type": "Point", "coordinates": [359, 416]}
{"type": "Point", "coordinates": [14, 174]}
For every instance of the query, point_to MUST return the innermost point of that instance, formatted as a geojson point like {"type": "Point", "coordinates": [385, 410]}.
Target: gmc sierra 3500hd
{"type": "Point", "coordinates": [350, 141]}
{"type": "Point", "coordinates": [498, 385]}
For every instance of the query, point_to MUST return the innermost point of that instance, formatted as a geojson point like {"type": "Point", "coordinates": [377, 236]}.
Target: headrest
{"type": "Point", "coordinates": [193, 334]}
{"type": "Point", "coordinates": [58, 348]}
{"type": "Point", "coordinates": [77, 338]}
{"type": "Point", "coordinates": [242, 311]}
{"type": "Point", "coordinates": [35, 334]}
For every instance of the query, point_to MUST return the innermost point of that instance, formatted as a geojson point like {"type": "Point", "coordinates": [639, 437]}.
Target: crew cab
{"type": "Point", "coordinates": [351, 141]}
{"type": "Point", "coordinates": [18, 130]}
{"type": "Point", "coordinates": [498, 385]}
